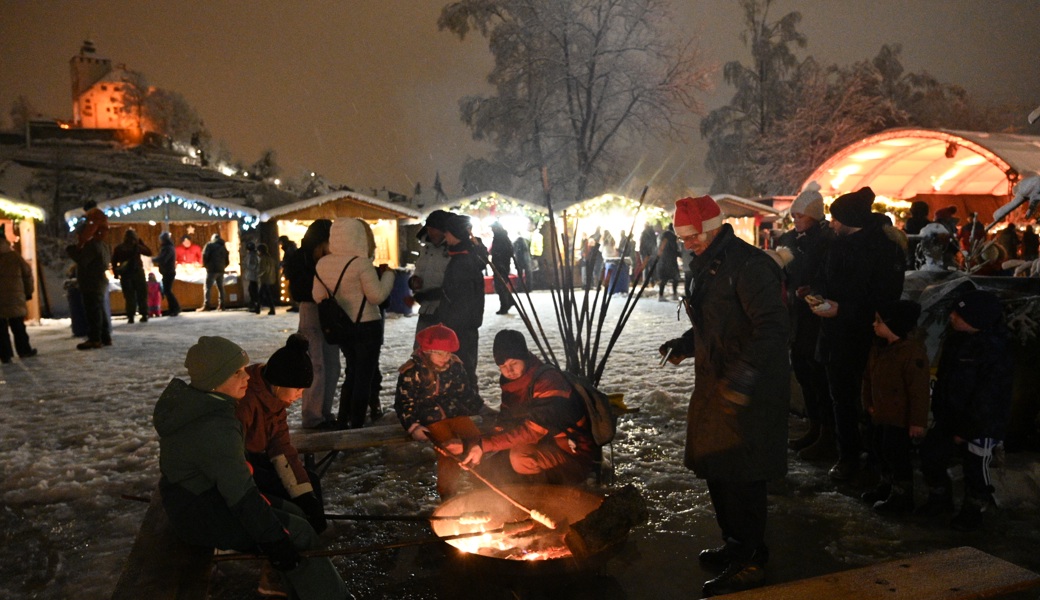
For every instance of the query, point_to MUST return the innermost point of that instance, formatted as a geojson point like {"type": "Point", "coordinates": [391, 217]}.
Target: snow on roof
{"type": "Point", "coordinates": [902, 163]}
{"type": "Point", "coordinates": [16, 208]}
{"type": "Point", "coordinates": [487, 197]}
{"type": "Point", "coordinates": [144, 207]}
{"type": "Point", "coordinates": [401, 211]}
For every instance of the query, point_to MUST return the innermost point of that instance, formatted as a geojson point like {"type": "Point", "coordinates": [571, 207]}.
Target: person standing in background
{"type": "Point", "coordinates": [166, 261]}
{"type": "Point", "coordinates": [426, 280]}
{"type": "Point", "coordinates": [128, 266]}
{"type": "Point", "coordinates": [501, 257]}
{"type": "Point", "coordinates": [289, 248]}
{"type": "Point", "coordinates": [250, 269]}
{"type": "Point", "coordinates": [92, 257]}
{"type": "Point", "coordinates": [16, 289]}
{"type": "Point", "coordinates": [462, 294]}
{"type": "Point", "coordinates": [216, 259]}
{"type": "Point", "coordinates": [267, 273]}
{"type": "Point", "coordinates": [522, 258]}
{"type": "Point", "coordinates": [188, 253]}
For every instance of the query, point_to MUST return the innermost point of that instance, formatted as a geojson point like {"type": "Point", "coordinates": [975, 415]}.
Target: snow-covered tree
{"type": "Point", "coordinates": [577, 82]}
{"type": "Point", "coordinates": [22, 111]}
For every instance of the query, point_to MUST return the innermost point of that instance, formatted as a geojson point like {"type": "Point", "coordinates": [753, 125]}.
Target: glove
{"type": "Point", "coordinates": [311, 506]}
{"type": "Point", "coordinates": [675, 345]}
{"type": "Point", "coordinates": [282, 554]}
{"type": "Point", "coordinates": [419, 433]}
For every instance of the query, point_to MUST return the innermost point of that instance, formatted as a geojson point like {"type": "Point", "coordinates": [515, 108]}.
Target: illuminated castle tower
{"type": "Point", "coordinates": [97, 92]}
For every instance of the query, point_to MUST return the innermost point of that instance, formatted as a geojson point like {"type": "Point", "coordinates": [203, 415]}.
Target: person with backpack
{"type": "Point", "coordinates": [542, 434]}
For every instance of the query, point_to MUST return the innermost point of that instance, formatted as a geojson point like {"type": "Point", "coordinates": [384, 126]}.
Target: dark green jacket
{"type": "Point", "coordinates": [738, 340]}
{"type": "Point", "coordinates": [205, 477]}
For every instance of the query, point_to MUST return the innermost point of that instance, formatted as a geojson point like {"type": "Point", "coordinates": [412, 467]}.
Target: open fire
{"type": "Point", "coordinates": [509, 532]}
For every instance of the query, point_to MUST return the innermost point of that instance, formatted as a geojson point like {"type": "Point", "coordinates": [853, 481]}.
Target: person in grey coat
{"type": "Point", "coordinates": [736, 427]}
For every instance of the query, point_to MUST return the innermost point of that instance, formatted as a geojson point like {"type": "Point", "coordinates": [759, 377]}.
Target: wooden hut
{"type": "Point", "coordinates": [19, 220]}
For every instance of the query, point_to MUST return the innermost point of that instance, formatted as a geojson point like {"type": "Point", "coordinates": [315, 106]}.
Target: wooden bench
{"type": "Point", "coordinates": [160, 565]}
{"type": "Point", "coordinates": [955, 574]}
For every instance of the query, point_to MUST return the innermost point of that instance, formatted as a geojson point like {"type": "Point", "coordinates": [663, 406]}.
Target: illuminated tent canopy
{"type": "Point", "coordinates": [974, 171]}
{"type": "Point", "coordinates": [166, 205]}
{"type": "Point", "coordinates": [745, 215]}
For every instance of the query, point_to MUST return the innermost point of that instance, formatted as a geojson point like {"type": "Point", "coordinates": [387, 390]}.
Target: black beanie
{"type": "Point", "coordinates": [290, 366]}
{"type": "Point", "coordinates": [900, 316]}
{"type": "Point", "coordinates": [980, 309]}
{"type": "Point", "coordinates": [853, 209]}
{"type": "Point", "coordinates": [458, 226]}
{"type": "Point", "coordinates": [510, 343]}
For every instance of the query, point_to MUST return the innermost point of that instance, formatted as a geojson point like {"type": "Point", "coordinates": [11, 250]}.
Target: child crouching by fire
{"type": "Point", "coordinates": [435, 399]}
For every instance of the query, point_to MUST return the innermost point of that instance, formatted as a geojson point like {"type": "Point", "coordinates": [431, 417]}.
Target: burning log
{"type": "Point", "coordinates": [609, 524]}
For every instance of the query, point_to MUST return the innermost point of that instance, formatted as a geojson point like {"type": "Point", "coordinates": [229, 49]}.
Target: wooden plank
{"type": "Point", "coordinates": [160, 565]}
{"type": "Point", "coordinates": [954, 574]}
{"type": "Point", "coordinates": [310, 442]}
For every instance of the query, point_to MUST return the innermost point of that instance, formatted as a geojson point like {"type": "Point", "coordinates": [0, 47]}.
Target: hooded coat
{"type": "Point", "coordinates": [347, 241]}
{"type": "Point", "coordinates": [16, 283]}
{"type": "Point", "coordinates": [204, 471]}
{"type": "Point", "coordinates": [738, 340]}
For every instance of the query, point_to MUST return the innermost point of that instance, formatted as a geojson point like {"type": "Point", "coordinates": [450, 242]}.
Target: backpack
{"type": "Point", "coordinates": [602, 417]}
{"type": "Point", "coordinates": [336, 325]}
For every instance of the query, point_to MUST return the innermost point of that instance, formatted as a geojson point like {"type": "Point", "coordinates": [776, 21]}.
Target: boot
{"type": "Point", "coordinates": [900, 500]}
{"type": "Point", "coordinates": [717, 559]}
{"type": "Point", "coordinates": [807, 439]}
{"type": "Point", "coordinates": [940, 501]}
{"type": "Point", "coordinates": [970, 516]}
{"type": "Point", "coordinates": [825, 448]}
{"type": "Point", "coordinates": [741, 574]}
{"type": "Point", "coordinates": [881, 492]}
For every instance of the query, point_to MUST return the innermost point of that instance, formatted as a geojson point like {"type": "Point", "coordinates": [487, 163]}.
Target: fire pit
{"type": "Point", "coordinates": [529, 542]}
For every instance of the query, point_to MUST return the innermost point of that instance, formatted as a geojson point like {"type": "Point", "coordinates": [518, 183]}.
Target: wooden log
{"type": "Point", "coordinates": [955, 574]}
{"type": "Point", "coordinates": [160, 565]}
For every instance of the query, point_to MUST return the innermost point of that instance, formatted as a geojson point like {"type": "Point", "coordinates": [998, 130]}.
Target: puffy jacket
{"type": "Point", "coordinates": [215, 256]}
{"type": "Point", "coordinates": [92, 260]}
{"type": "Point", "coordinates": [167, 258]}
{"type": "Point", "coordinates": [425, 395]}
{"type": "Point", "coordinates": [347, 241]}
{"type": "Point", "coordinates": [202, 461]}
{"type": "Point", "coordinates": [896, 383]}
{"type": "Point", "coordinates": [462, 292]}
{"type": "Point", "coordinates": [16, 284]}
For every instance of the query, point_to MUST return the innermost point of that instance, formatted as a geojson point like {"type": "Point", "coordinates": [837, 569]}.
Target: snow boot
{"type": "Point", "coordinates": [807, 439]}
{"type": "Point", "coordinates": [825, 448]}
{"type": "Point", "coordinates": [900, 500]}
{"type": "Point", "coordinates": [940, 501]}
{"type": "Point", "coordinates": [878, 494]}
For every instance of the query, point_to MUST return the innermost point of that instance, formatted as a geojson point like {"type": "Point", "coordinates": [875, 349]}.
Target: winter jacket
{"type": "Point", "coordinates": [266, 432]}
{"type": "Point", "coordinates": [462, 292]}
{"type": "Point", "coordinates": [215, 256]}
{"type": "Point", "coordinates": [92, 260]}
{"type": "Point", "coordinates": [166, 261]}
{"type": "Point", "coordinates": [972, 394]}
{"type": "Point", "coordinates": [501, 250]}
{"type": "Point", "coordinates": [203, 466]}
{"type": "Point", "coordinates": [267, 270]}
{"type": "Point", "coordinates": [549, 409]}
{"type": "Point", "coordinates": [739, 342]}
{"type": "Point", "coordinates": [16, 284]}
{"type": "Point", "coordinates": [668, 256]}
{"type": "Point", "coordinates": [896, 383]}
{"type": "Point", "coordinates": [426, 396]}
{"type": "Point", "coordinates": [346, 241]}
{"type": "Point", "coordinates": [126, 257]}
{"type": "Point", "coordinates": [251, 266]}
{"type": "Point", "coordinates": [429, 270]}
{"type": "Point", "coordinates": [863, 270]}
{"type": "Point", "coordinates": [299, 270]}
{"type": "Point", "coordinates": [191, 255]}
{"type": "Point", "coordinates": [809, 249]}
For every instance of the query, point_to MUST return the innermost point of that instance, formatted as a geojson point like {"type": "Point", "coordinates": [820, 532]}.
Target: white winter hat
{"type": "Point", "coordinates": [809, 202]}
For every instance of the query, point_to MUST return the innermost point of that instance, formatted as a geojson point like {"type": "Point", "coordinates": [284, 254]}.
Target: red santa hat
{"type": "Point", "coordinates": [696, 215]}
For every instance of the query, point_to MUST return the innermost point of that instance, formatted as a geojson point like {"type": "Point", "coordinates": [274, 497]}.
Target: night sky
{"type": "Point", "coordinates": [365, 92]}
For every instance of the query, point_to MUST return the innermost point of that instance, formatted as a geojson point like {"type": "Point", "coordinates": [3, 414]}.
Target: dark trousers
{"type": "Point", "coordinates": [268, 294]}
{"type": "Point", "coordinates": [135, 293]}
{"type": "Point", "coordinates": [501, 273]}
{"type": "Point", "coordinates": [214, 278]}
{"type": "Point", "coordinates": [939, 449]}
{"type": "Point", "coordinates": [812, 378]}
{"type": "Point", "coordinates": [740, 511]}
{"type": "Point", "coordinates": [254, 296]}
{"type": "Point", "coordinates": [844, 380]}
{"type": "Point", "coordinates": [172, 305]}
{"type": "Point", "coordinates": [362, 356]}
{"type": "Point", "coordinates": [892, 447]}
{"type": "Point", "coordinates": [94, 308]}
{"type": "Point", "coordinates": [21, 338]}
{"type": "Point", "coordinates": [467, 353]}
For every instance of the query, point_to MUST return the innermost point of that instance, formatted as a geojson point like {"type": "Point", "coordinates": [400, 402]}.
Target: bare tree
{"type": "Point", "coordinates": [22, 111]}
{"type": "Point", "coordinates": [577, 82]}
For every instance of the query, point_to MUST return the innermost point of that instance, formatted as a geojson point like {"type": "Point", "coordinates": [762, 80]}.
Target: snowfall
{"type": "Point", "coordinates": [76, 435]}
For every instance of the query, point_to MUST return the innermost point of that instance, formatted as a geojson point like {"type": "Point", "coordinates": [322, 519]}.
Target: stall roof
{"type": "Point", "coordinates": [340, 204]}
{"type": "Point", "coordinates": [17, 208]}
{"type": "Point", "coordinates": [903, 163]}
{"type": "Point", "coordinates": [488, 197]}
{"type": "Point", "coordinates": [168, 204]}
{"type": "Point", "coordinates": [735, 206]}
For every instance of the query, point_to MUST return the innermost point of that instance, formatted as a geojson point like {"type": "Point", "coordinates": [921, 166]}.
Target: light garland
{"type": "Point", "coordinates": [247, 220]}
{"type": "Point", "coordinates": [495, 205]}
{"type": "Point", "coordinates": [21, 210]}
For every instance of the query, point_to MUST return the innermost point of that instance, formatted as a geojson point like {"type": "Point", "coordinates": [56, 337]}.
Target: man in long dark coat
{"type": "Point", "coordinates": [737, 420]}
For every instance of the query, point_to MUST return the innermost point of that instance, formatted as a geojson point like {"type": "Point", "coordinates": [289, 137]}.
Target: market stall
{"type": "Point", "coordinates": [385, 218]}
{"type": "Point", "coordinates": [183, 214]}
{"type": "Point", "coordinates": [19, 221]}
{"type": "Point", "coordinates": [746, 216]}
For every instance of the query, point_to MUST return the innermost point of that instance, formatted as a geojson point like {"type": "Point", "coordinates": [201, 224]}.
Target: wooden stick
{"type": "Point", "coordinates": [479, 515]}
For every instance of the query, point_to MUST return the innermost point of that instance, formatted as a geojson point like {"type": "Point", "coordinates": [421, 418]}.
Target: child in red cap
{"type": "Point", "coordinates": [435, 398]}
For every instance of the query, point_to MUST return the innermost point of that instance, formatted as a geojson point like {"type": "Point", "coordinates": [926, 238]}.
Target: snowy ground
{"type": "Point", "coordinates": [75, 433]}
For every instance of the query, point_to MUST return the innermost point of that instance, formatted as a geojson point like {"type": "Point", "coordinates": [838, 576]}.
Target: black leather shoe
{"type": "Point", "coordinates": [716, 559]}
{"type": "Point", "coordinates": [88, 345]}
{"type": "Point", "coordinates": [738, 576]}
{"type": "Point", "coordinates": [31, 353]}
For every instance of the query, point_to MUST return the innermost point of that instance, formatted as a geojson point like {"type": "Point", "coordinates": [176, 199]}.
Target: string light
{"type": "Point", "coordinates": [205, 209]}
{"type": "Point", "coordinates": [21, 210]}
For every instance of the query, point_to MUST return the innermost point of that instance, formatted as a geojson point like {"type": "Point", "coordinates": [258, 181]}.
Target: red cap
{"type": "Point", "coordinates": [696, 215]}
{"type": "Point", "coordinates": [437, 337]}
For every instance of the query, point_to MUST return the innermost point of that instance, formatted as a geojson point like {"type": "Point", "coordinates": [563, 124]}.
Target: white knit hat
{"type": "Point", "coordinates": [809, 202]}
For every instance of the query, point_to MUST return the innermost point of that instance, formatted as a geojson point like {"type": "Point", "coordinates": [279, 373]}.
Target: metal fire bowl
{"type": "Point", "coordinates": [562, 504]}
